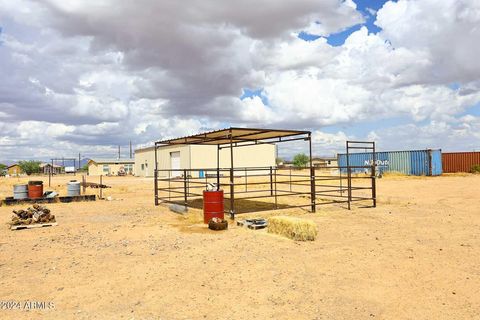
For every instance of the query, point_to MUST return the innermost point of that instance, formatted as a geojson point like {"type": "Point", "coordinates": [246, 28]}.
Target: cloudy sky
{"type": "Point", "coordinates": [87, 75]}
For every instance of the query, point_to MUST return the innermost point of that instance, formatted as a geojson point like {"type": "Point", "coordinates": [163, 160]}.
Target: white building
{"type": "Point", "coordinates": [178, 158]}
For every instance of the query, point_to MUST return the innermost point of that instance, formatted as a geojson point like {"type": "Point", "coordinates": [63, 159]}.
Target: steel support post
{"type": "Point", "coordinates": [185, 187]}
{"type": "Point", "coordinates": [312, 174]}
{"type": "Point", "coordinates": [155, 177]}
{"type": "Point", "coordinates": [232, 191]}
{"type": "Point", "coordinates": [374, 178]}
{"type": "Point", "coordinates": [218, 167]}
{"type": "Point", "coordinates": [349, 178]}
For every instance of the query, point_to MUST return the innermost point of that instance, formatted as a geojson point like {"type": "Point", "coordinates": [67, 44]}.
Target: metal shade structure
{"type": "Point", "coordinates": [235, 137]}
{"type": "Point", "coordinates": [238, 137]}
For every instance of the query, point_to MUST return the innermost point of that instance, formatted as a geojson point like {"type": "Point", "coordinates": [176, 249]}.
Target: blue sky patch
{"type": "Point", "coordinates": [249, 93]}
{"type": "Point", "coordinates": [368, 8]}
{"type": "Point", "coordinates": [307, 36]}
{"type": "Point", "coordinates": [454, 85]}
{"type": "Point", "coordinates": [473, 111]}
{"type": "Point", "coordinates": [338, 39]}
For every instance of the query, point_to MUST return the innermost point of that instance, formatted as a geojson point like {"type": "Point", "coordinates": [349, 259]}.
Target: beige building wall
{"type": "Point", "coordinates": [203, 157]}
{"type": "Point", "coordinates": [145, 160]}
{"type": "Point", "coordinates": [97, 169]}
{"type": "Point", "coordinates": [15, 170]}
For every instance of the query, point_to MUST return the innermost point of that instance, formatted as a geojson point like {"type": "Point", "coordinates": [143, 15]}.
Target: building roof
{"type": "Point", "coordinates": [145, 149]}
{"type": "Point", "coordinates": [49, 164]}
{"type": "Point", "coordinates": [324, 158]}
{"type": "Point", "coordinates": [100, 161]}
{"type": "Point", "coordinates": [13, 165]}
{"type": "Point", "coordinates": [236, 136]}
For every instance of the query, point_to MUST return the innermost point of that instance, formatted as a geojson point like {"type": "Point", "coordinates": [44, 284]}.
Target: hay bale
{"type": "Point", "coordinates": [294, 228]}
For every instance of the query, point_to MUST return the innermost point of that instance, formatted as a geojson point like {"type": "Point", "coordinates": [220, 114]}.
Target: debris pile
{"type": "Point", "coordinates": [254, 224]}
{"type": "Point", "coordinates": [35, 214]}
{"type": "Point", "coordinates": [217, 224]}
{"type": "Point", "coordinates": [94, 185]}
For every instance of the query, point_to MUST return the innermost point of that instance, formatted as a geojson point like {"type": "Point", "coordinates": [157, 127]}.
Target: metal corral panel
{"type": "Point", "coordinates": [411, 162]}
{"type": "Point", "coordinates": [459, 161]}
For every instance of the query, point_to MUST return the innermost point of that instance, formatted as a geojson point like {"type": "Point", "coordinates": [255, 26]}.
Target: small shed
{"type": "Point", "coordinates": [325, 162]}
{"type": "Point", "coordinates": [97, 167]}
{"type": "Point", "coordinates": [15, 170]}
{"type": "Point", "coordinates": [48, 168]}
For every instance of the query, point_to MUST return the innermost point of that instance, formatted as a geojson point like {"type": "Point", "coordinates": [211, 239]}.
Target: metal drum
{"type": "Point", "coordinates": [20, 191]}
{"type": "Point", "coordinates": [73, 188]}
{"type": "Point", "coordinates": [212, 205]}
{"type": "Point", "coordinates": [35, 189]}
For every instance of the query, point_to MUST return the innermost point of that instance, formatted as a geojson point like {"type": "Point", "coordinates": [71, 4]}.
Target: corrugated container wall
{"type": "Point", "coordinates": [459, 161]}
{"type": "Point", "coordinates": [411, 162]}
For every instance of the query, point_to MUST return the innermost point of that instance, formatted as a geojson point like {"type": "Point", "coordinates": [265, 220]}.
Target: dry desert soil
{"type": "Point", "coordinates": [415, 256]}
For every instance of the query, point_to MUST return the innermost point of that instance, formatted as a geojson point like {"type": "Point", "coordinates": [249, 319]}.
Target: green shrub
{"type": "Point", "coordinates": [30, 167]}
{"type": "Point", "coordinates": [476, 168]}
{"type": "Point", "coordinates": [300, 160]}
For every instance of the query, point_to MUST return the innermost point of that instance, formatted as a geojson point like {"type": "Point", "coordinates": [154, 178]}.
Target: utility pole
{"type": "Point", "coordinates": [119, 152]}
{"type": "Point", "coordinates": [130, 149]}
{"type": "Point", "coordinates": [79, 161]}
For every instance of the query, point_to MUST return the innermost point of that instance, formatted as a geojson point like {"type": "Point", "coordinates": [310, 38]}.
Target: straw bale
{"type": "Point", "coordinates": [294, 228]}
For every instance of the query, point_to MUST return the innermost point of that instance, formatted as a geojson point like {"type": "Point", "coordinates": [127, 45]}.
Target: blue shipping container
{"type": "Point", "coordinates": [412, 162]}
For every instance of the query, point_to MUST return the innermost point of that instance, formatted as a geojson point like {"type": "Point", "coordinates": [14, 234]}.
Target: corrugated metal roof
{"type": "Point", "coordinates": [220, 137]}
{"type": "Point", "coordinates": [49, 164]}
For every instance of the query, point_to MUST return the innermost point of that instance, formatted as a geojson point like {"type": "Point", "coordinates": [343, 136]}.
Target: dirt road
{"type": "Point", "coordinates": [416, 256]}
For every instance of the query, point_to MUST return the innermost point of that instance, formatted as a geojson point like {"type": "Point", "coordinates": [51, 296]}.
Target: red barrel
{"type": "Point", "coordinates": [212, 205]}
{"type": "Point", "coordinates": [35, 189]}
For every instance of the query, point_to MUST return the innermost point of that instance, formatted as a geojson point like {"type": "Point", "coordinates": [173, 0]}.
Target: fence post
{"type": "Point", "coordinates": [312, 175]}
{"type": "Point", "coordinates": [374, 182]}
{"type": "Point", "coordinates": [185, 186]}
{"type": "Point", "coordinates": [313, 191]}
{"type": "Point", "coordinates": [349, 177]}
{"type": "Point", "coordinates": [290, 179]}
{"type": "Point", "coordinates": [271, 181]}
{"type": "Point", "coordinates": [276, 204]}
{"type": "Point", "coordinates": [155, 185]}
{"type": "Point", "coordinates": [84, 180]}
{"type": "Point", "coordinates": [246, 182]}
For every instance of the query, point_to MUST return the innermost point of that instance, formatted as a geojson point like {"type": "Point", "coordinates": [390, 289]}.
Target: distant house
{"type": "Point", "coordinates": [47, 168]}
{"type": "Point", "coordinates": [325, 162]}
{"type": "Point", "coordinates": [15, 170]}
{"type": "Point", "coordinates": [97, 167]}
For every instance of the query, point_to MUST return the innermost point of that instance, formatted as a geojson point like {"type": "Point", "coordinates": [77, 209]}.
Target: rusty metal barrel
{"type": "Point", "coordinates": [35, 189]}
{"type": "Point", "coordinates": [20, 191]}
{"type": "Point", "coordinates": [212, 205]}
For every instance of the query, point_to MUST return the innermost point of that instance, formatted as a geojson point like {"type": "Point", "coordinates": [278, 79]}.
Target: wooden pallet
{"type": "Point", "coordinates": [64, 199]}
{"type": "Point", "coordinates": [34, 225]}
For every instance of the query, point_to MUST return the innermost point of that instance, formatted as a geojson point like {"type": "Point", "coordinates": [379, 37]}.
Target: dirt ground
{"type": "Point", "coordinates": [415, 256]}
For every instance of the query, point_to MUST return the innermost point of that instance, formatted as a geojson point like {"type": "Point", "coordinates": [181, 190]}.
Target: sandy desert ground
{"type": "Point", "coordinates": [415, 256]}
